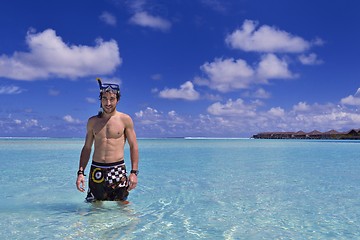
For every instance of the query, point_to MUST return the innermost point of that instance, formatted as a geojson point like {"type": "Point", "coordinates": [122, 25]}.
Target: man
{"type": "Point", "coordinates": [109, 131]}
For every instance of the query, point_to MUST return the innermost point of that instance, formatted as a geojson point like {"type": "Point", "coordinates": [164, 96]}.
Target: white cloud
{"type": "Point", "coordinates": [240, 118]}
{"type": "Point", "coordinates": [156, 123]}
{"type": "Point", "coordinates": [232, 118]}
{"type": "Point", "coordinates": [152, 116]}
{"type": "Point", "coordinates": [151, 121]}
{"type": "Point", "coordinates": [174, 118]}
{"type": "Point", "coordinates": [172, 113]}
{"type": "Point", "coordinates": [276, 112]}
{"type": "Point", "coordinates": [301, 107]}
{"type": "Point", "coordinates": [50, 56]}
{"type": "Point", "coordinates": [271, 66]}
{"type": "Point", "coordinates": [70, 119]}
{"type": "Point", "coordinates": [149, 116]}
{"type": "Point", "coordinates": [261, 93]}
{"type": "Point", "coordinates": [31, 123]}
{"type": "Point", "coordinates": [303, 116]}
{"type": "Point", "coordinates": [108, 18]}
{"type": "Point", "coordinates": [310, 59]}
{"type": "Point", "coordinates": [186, 92]}
{"type": "Point", "coordinates": [351, 100]}
{"type": "Point", "coordinates": [232, 108]}
{"type": "Point", "coordinates": [144, 19]}
{"type": "Point", "coordinates": [10, 90]}
{"type": "Point", "coordinates": [265, 39]}
{"type": "Point", "coordinates": [226, 75]}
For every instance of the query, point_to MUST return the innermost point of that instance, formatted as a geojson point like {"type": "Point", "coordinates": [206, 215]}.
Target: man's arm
{"type": "Point", "coordinates": [84, 157]}
{"type": "Point", "coordinates": [134, 151]}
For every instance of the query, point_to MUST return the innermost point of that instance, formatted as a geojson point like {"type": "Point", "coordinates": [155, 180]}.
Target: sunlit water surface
{"type": "Point", "coordinates": [188, 189]}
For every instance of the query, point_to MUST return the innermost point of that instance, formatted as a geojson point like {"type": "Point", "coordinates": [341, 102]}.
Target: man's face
{"type": "Point", "coordinates": [108, 102]}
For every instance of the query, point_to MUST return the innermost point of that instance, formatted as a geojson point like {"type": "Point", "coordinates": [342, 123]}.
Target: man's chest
{"type": "Point", "coordinates": [109, 129]}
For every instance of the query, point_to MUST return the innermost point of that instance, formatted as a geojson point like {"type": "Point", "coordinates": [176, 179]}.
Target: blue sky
{"type": "Point", "coordinates": [210, 68]}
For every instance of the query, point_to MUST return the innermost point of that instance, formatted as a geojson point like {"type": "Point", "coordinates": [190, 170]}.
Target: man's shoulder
{"type": "Point", "coordinates": [125, 118]}
{"type": "Point", "coordinates": [123, 115]}
{"type": "Point", "coordinates": [93, 118]}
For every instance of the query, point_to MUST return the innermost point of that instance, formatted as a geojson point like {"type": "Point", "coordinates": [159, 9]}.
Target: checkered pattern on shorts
{"type": "Point", "coordinates": [115, 175]}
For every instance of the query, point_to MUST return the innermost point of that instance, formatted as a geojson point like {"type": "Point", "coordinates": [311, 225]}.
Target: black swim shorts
{"type": "Point", "coordinates": [107, 182]}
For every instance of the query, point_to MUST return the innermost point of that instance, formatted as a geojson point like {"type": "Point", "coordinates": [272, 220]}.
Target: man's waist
{"type": "Point", "coordinates": [107, 164]}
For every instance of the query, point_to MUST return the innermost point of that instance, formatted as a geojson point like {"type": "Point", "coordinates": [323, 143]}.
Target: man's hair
{"type": "Point", "coordinates": [118, 95]}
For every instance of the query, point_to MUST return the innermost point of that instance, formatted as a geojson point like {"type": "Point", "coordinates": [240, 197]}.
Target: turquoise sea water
{"type": "Point", "coordinates": [188, 189]}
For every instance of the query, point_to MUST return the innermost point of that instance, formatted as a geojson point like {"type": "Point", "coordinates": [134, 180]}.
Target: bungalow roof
{"type": "Point", "coordinates": [300, 133]}
{"type": "Point", "coordinates": [332, 132]}
{"type": "Point", "coordinates": [315, 132]}
{"type": "Point", "coordinates": [352, 131]}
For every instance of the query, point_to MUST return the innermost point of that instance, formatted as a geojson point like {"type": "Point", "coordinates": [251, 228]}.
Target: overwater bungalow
{"type": "Point", "coordinates": [315, 134]}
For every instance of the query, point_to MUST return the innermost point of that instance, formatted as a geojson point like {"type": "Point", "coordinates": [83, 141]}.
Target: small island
{"type": "Point", "coordinates": [353, 134]}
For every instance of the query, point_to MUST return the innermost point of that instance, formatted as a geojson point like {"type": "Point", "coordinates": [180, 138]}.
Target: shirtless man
{"type": "Point", "coordinates": [109, 131]}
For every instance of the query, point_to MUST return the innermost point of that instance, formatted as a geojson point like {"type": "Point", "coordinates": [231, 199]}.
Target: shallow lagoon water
{"type": "Point", "coordinates": [188, 189]}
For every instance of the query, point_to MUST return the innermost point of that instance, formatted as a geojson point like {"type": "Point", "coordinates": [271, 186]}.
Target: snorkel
{"type": "Point", "coordinates": [107, 87]}
{"type": "Point", "coordinates": [100, 112]}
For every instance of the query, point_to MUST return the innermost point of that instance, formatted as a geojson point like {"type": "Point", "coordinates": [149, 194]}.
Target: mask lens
{"type": "Point", "coordinates": [109, 87]}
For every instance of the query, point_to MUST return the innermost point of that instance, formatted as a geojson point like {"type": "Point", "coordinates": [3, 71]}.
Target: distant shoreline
{"type": "Point", "coordinates": [353, 134]}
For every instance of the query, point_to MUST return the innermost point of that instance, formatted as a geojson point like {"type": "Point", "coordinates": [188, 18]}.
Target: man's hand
{"type": "Point", "coordinates": [132, 181]}
{"type": "Point", "coordinates": [80, 183]}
